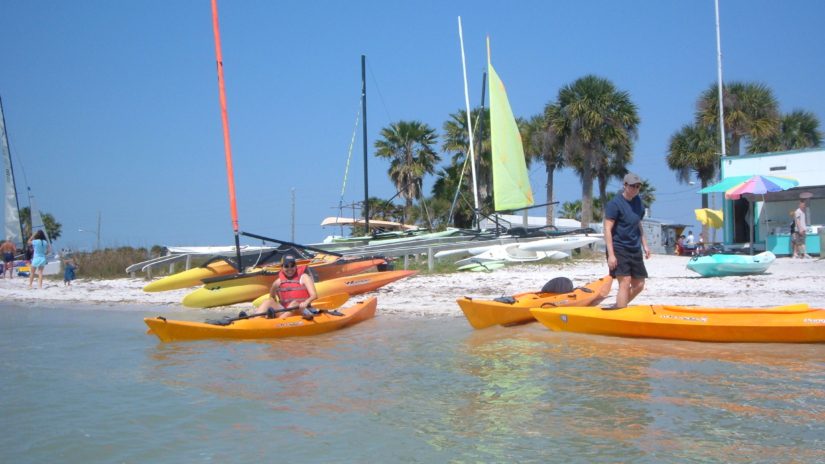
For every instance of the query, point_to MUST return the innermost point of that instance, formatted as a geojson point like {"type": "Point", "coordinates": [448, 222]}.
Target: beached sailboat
{"type": "Point", "coordinates": [234, 213]}
{"type": "Point", "coordinates": [13, 227]}
{"type": "Point", "coordinates": [13, 230]}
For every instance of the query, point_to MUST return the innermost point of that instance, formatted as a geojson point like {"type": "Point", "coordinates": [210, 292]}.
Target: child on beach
{"type": "Point", "coordinates": [70, 269]}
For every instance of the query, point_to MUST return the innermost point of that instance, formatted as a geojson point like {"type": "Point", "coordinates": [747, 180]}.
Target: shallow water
{"type": "Point", "coordinates": [84, 385]}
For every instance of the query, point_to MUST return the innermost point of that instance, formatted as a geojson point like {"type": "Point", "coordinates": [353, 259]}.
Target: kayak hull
{"type": "Point", "coordinates": [781, 324]}
{"type": "Point", "coordinates": [251, 287]}
{"type": "Point", "coordinates": [731, 265]}
{"type": "Point", "coordinates": [261, 327]}
{"type": "Point", "coordinates": [486, 313]}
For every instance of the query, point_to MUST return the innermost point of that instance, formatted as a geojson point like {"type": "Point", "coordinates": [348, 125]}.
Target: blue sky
{"type": "Point", "coordinates": [112, 106]}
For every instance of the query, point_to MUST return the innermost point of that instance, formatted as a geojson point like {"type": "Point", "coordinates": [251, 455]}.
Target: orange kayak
{"type": "Point", "coordinates": [782, 324]}
{"type": "Point", "coordinates": [516, 310]}
{"type": "Point", "coordinates": [261, 327]}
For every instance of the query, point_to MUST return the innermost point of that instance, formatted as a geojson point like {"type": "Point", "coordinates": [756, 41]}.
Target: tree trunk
{"type": "Point", "coordinates": [587, 194]}
{"type": "Point", "coordinates": [550, 168]}
{"type": "Point", "coordinates": [603, 189]}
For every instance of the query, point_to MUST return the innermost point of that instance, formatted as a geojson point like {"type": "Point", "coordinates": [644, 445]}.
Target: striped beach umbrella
{"type": "Point", "coordinates": [735, 187]}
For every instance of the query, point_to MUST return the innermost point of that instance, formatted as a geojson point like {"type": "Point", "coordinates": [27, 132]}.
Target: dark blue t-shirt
{"type": "Point", "coordinates": [627, 216]}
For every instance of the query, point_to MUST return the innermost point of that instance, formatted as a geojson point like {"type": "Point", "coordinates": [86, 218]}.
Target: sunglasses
{"type": "Point", "coordinates": [633, 185]}
{"type": "Point", "coordinates": [289, 266]}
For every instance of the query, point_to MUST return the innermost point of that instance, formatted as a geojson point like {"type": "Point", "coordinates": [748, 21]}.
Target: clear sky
{"type": "Point", "coordinates": [112, 106]}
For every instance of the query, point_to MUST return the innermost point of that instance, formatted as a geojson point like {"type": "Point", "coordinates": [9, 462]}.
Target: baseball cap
{"type": "Point", "coordinates": [288, 259]}
{"type": "Point", "coordinates": [631, 179]}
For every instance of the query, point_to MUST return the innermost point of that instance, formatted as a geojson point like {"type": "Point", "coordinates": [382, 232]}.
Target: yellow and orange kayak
{"type": "Point", "coordinates": [516, 310]}
{"type": "Point", "coordinates": [782, 324]}
{"type": "Point", "coordinates": [248, 289]}
{"type": "Point", "coordinates": [325, 266]}
{"type": "Point", "coordinates": [260, 327]}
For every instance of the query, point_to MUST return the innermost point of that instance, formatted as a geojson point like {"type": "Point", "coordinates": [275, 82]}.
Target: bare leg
{"type": "Point", "coordinates": [40, 277]}
{"type": "Point", "coordinates": [623, 296]}
{"type": "Point", "coordinates": [636, 287]}
{"type": "Point", "coordinates": [267, 303]}
{"type": "Point", "coordinates": [31, 276]}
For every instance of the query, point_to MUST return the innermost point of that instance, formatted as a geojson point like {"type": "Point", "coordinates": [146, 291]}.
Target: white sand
{"type": "Point", "coordinates": [787, 281]}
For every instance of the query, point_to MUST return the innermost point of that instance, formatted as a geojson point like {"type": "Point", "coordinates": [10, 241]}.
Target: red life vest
{"type": "Point", "coordinates": [290, 290]}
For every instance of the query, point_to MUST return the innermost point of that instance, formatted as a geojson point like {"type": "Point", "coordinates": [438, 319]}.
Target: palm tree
{"type": "Point", "coordinates": [409, 147]}
{"type": "Point", "coordinates": [751, 112]}
{"type": "Point", "coordinates": [798, 129]}
{"type": "Point", "coordinates": [694, 150]}
{"type": "Point", "coordinates": [457, 141]}
{"type": "Point", "coordinates": [541, 143]}
{"type": "Point", "coordinates": [593, 119]}
{"type": "Point", "coordinates": [53, 228]}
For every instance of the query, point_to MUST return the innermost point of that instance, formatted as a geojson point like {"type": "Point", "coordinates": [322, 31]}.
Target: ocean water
{"type": "Point", "coordinates": [87, 385]}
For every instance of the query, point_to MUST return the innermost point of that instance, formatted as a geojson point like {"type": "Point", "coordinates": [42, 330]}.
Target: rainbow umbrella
{"type": "Point", "coordinates": [734, 187]}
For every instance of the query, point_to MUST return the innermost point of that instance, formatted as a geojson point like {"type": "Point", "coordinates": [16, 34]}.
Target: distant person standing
{"type": "Point", "coordinates": [8, 249]}
{"type": "Point", "coordinates": [625, 241]}
{"type": "Point", "coordinates": [69, 271]}
{"type": "Point", "coordinates": [801, 230]}
{"type": "Point", "coordinates": [690, 241]}
{"type": "Point", "coordinates": [40, 248]}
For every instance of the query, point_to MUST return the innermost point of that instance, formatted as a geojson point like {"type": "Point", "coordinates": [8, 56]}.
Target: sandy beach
{"type": "Point", "coordinates": [787, 281]}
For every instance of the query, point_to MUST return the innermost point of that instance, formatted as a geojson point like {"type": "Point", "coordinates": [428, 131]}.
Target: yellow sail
{"type": "Point", "coordinates": [511, 185]}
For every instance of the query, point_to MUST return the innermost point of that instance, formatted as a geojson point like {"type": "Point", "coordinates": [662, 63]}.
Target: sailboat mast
{"type": "Point", "coordinates": [719, 78]}
{"type": "Point", "coordinates": [227, 147]}
{"type": "Point", "coordinates": [364, 110]}
{"type": "Point", "coordinates": [469, 125]}
{"type": "Point", "coordinates": [12, 203]}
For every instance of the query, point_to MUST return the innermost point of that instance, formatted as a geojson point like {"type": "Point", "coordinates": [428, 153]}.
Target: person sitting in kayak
{"type": "Point", "coordinates": [294, 288]}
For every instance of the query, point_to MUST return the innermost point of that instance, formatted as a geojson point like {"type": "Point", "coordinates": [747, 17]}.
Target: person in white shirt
{"type": "Point", "coordinates": [801, 226]}
{"type": "Point", "coordinates": [689, 240]}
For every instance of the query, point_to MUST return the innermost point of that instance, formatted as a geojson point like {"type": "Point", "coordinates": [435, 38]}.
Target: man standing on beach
{"type": "Point", "coordinates": [625, 241]}
{"type": "Point", "coordinates": [801, 226]}
{"type": "Point", "coordinates": [8, 249]}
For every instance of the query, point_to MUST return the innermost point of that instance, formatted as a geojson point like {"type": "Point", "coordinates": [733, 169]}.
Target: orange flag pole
{"type": "Point", "coordinates": [230, 174]}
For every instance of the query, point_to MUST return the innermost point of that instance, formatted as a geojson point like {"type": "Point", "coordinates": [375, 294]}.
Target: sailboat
{"type": "Point", "coordinates": [511, 183]}
{"type": "Point", "coordinates": [13, 228]}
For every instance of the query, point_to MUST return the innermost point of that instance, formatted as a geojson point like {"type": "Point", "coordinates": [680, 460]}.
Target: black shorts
{"type": "Point", "coordinates": [8, 257]}
{"type": "Point", "coordinates": [629, 263]}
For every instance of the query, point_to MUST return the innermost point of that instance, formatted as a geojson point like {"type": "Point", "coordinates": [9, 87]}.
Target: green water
{"type": "Point", "coordinates": [86, 385]}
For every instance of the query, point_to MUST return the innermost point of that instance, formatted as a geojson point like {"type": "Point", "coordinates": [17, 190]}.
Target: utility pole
{"type": "Point", "coordinates": [97, 247]}
{"type": "Point", "coordinates": [292, 237]}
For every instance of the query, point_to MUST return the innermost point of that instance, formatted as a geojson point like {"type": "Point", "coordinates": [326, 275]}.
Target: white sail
{"type": "Point", "coordinates": [12, 230]}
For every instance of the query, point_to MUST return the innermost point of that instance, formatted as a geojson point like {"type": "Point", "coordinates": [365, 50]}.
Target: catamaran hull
{"type": "Point", "coordinates": [240, 291]}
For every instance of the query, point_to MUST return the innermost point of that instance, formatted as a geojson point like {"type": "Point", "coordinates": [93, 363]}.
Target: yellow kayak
{"type": "Point", "coordinates": [516, 309]}
{"type": "Point", "coordinates": [261, 327]}
{"type": "Point", "coordinates": [783, 324]}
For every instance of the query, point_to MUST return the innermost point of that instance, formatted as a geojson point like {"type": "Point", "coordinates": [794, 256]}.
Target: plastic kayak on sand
{"type": "Point", "coordinates": [261, 327]}
{"type": "Point", "coordinates": [781, 324]}
{"type": "Point", "coordinates": [720, 265]}
{"type": "Point", "coordinates": [485, 313]}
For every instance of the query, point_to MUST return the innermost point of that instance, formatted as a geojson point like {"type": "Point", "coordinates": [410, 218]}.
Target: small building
{"type": "Point", "coordinates": [661, 235]}
{"type": "Point", "coordinates": [770, 215]}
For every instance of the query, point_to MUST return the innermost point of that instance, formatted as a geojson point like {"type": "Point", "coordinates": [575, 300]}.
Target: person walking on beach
{"type": "Point", "coordinates": [801, 230]}
{"type": "Point", "coordinates": [69, 271]}
{"type": "Point", "coordinates": [625, 241]}
{"type": "Point", "coordinates": [40, 248]}
{"type": "Point", "coordinates": [8, 249]}
{"type": "Point", "coordinates": [294, 289]}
